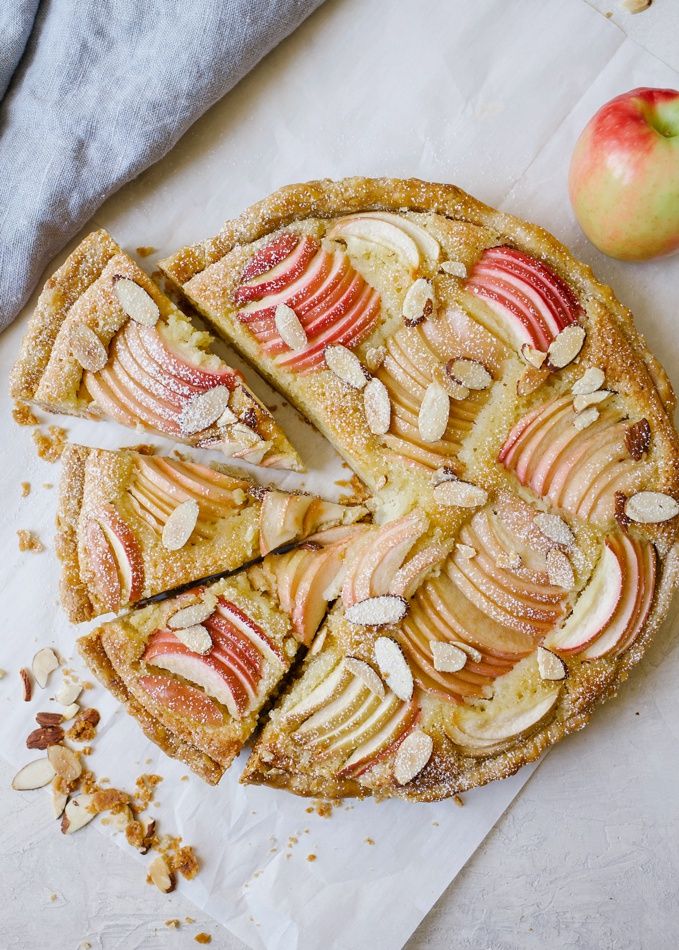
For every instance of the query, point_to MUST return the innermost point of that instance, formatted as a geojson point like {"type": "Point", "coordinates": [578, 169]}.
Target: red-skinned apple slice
{"type": "Point", "coordinates": [282, 273]}
{"type": "Point", "coordinates": [409, 577]}
{"type": "Point", "coordinates": [382, 554]}
{"type": "Point", "coordinates": [102, 562]}
{"type": "Point", "coordinates": [182, 699]}
{"type": "Point", "coordinates": [271, 254]}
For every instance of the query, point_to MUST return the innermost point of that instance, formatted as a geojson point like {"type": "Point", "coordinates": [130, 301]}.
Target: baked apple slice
{"type": "Point", "coordinates": [131, 526]}
{"type": "Point", "coordinates": [105, 342]}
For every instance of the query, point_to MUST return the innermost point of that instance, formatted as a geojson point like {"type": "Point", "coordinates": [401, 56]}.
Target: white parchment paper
{"type": "Point", "coordinates": [489, 95]}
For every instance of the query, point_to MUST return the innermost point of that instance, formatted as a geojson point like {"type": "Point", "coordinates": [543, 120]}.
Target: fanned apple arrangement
{"type": "Point", "coordinates": [519, 545]}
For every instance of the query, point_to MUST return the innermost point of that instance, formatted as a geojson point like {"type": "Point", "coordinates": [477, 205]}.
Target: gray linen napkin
{"type": "Point", "coordinates": [104, 89]}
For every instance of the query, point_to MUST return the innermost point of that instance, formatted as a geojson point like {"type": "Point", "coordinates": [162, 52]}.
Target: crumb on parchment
{"type": "Point", "coordinates": [23, 415]}
{"type": "Point", "coordinates": [202, 937]}
{"type": "Point", "coordinates": [145, 250]}
{"type": "Point", "coordinates": [28, 541]}
{"type": "Point", "coordinates": [50, 445]}
{"type": "Point", "coordinates": [25, 489]}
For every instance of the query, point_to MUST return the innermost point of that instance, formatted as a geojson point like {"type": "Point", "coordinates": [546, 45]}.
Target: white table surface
{"type": "Point", "coordinates": [586, 857]}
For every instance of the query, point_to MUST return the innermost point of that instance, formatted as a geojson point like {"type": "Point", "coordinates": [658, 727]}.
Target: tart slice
{"type": "Point", "coordinates": [105, 342]}
{"type": "Point", "coordinates": [132, 525]}
{"type": "Point", "coordinates": [196, 669]}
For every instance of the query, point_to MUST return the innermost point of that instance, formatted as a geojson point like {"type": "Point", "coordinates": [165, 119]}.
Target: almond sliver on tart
{"type": "Point", "coordinates": [105, 342]}
{"type": "Point", "coordinates": [132, 525]}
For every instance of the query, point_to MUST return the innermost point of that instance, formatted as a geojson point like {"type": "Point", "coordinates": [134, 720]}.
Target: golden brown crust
{"type": "Point", "coordinates": [613, 343]}
{"type": "Point", "coordinates": [73, 589]}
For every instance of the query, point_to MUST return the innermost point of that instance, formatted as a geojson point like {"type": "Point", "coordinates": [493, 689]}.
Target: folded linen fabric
{"type": "Point", "coordinates": [102, 91]}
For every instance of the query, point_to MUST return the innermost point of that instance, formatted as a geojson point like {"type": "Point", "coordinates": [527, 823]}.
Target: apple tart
{"type": "Point", "coordinates": [517, 436]}
{"type": "Point", "coordinates": [133, 525]}
{"type": "Point", "coordinates": [105, 342]}
{"type": "Point", "coordinates": [195, 670]}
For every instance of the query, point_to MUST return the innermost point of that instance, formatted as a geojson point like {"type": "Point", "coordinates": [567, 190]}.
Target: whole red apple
{"type": "Point", "coordinates": [624, 175]}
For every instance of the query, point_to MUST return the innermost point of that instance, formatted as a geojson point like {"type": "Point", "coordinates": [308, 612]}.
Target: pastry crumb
{"type": "Point", "coordinates": [311, 857]}
{"type": "Point", "coordinates": [23, 415]}
{"type": "Point", "coordinates": [202, 937]}
{"type": "Point", "coordinates": [28, 541]}
{"type": "Point", "coordinates": [369, 840]}
{"type": "Point", "coordinates": [50, 445]}
{"type": "Point", "coordinates": [458, 801]}
{"type": "Point", "coordinates": [25, 489]}
{"type": "Point", "coordinates": [173, 923]}
{"type": "Point", "coordinates": [84, 729]}
{"type": "Point", "coordinates": [145, 250]}
{"type": "Point", "coordinates": [189, 920]}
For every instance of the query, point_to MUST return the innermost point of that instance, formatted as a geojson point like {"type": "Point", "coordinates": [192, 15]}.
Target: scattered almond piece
{"type": "Point", "coordinates": [65, 762]}
{"type": "Point", "coordinates": [203, 410]}
{"type": "Point", "coordinates": [412, 756]}
{"type": "Point", "coordinates": [160, 875]}
{"type": "Point", "coordinates": [443, 475]}
{"type": "Point", "coordinates": [453, 268]}
{"type": "Point", "coordinates": [67, 693]}
{"type": "Point", "coordinates": [554, 528]}
{"type": "Point", "coordinates": [550, 666]}
{"type": "Point", "coordinates": [196, 638]}
{"type": "Point", "coordinates": [459, 493]}
{"type": "Point", "coordinates": [345, 365]}
{"type": "Point", "coordinates": [565, 346]}
{"type": "Point", "coordinates": [179, 526]}
{"type": "Point", "coordinates": [636, 6]}
{"type": "Point", "coordinates": [374, 357]}
{"type": "Point", "coordinates": [44, 737]}
{"type": "Point", "coordinates": [77, 814]}
{"type": "Point", "coordinates": [136, 302]}
{"type": "Point", "coordinates": [651, 507]}
{"type": "Point", "coordinates": [473, 654]}
{"type": "Point", "coordinates": [227, 418]}
{"type": "Point", "coordinates": [44, 662]}
{"type": "Point", "coordinates": [377, 611]}
{"type": "Point", "coordinates": [585, 419]}
{"type": "Point", "coordinates": [465, 550]}
{"type": "Point", "coordinates": [469, 373]}
{"type": "Point", "coordinates": [447, 658]}
{"type": "Point", "coordinates": [559, 569]}
{"type": "Point", "coordinates": [418, 303]}
{"type": "Point", "coordinates": [591, 380]}
{"type": "Point", "coordinates": [580, 403]}
{"type": "Point", "coordinates": [377, 407]}
{"type": "Point", "coordinates": [394, 667]}
{"type": "Point", "coordinates": [49, 719]}
{"type": "Point", "coordinates": [533, 357]}
{"type": "Point", "coordinates": [366, 674]}
{"type": "Point", "coordinates": [68, 712]}
{"type": "Point", "coordinates": [194, 613]}
{"type": "Point", "coordinates": [87, 348]}
{"type": "Point", "coordinates": [290, 330]}
{"type": "Point", "coordinates": [27, 684]}
{"type": "Point", "coordinates": [28, 541]}
{"type": "Point", "coordinates": [638, 439]}
{"type": "Point", "coordinates": [59, 798]}
{"type": "Point", "coordinates": [434, 412]}
{"type": "Point", "coordinates": [36, 774]}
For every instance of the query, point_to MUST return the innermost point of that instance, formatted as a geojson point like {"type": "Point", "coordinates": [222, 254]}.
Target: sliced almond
{"type": "Point", "coordinates": [469, 373]}
{"type": "Point", "coordinates": [412, 756]}
{"type": "Point", "coordinates": [554, 528]}
{"type": "Point", "coordinates": [374, 357]}
{"type": "Point", "coordinates": [454, 268]}
{"type": "Point", "coordinates": [44, 662]}
{"type": "Point", "coordinates": [394, 667]}
{"type": "Point", "coordinates": [531, 380]}
{"type": "Point", "coordinates": [67, 693]}
{"type": "Point", "coordinates": [68, 712]}
{"type": "Point", "coordinates": [533, 357]}
{"type": "Point", "coordinates": [77, 814]}
{"type": "Point", "coordinates": [59, 799]}
{"type": "Point", "coordinates": [227, 418]}
{"type": "Point", "coordinates": [319, 640]}
{"type": "Point", "coordinates": [27, 684]}
{"type": "Point", "coordinates": [473, 654]}
{"type": "Point", "coordinates": [366, 674]}
{"type": "Point", "coordinates": [447, 658]}
{"type": "Point", "coordinates": [418, 303]}
{"type": "Point", "coordinates": [509, 560]}
{"type": "Point", "coordinates": [87, 348]}
{"type": "Point", "coordinates": [559, 569]}
{"type": "Point", "coordinates": [345, 365]}
{"type": "Point", "coordinates": [377, 407]}
{"type": "Point", "coordinates": [459, 493]}
{"type": "Point", "coordinates": [121, 818]}
{"type": "Point", "coordinates": [36, 774]}
{"type": "Point", "coordinates": [550, 666]}
{"type": "Point", "coordinates": [565, 346]}
{"type": "Point", "coordinates": [465, 550]}
{"type": "Point", "coordinates": [434, 412]}
{"type": "Point", "coordinates": [580, 403]}
{"type": "Point", "coordinates": [179, 526]}
{"type": "Point", "coordinates": [136, 302]}
{"type": "Point", "coordinates": [651, 507]}
{"type": "Point", "coordinates": [193, 614]}
{"type": "Point", "coordinates": [203, 410]}
{"type": "Point", "coordinates": [636, 6]}
{"type": "Point", "coordinates": [591, 380]}
{"type": "Point", "coordinates": [65, 762]}
{"type": "Point", "coordinates": [196, 638]}
{"type": "Point", "coordinates": [443, 475]}
{"type": "Point", "coordinates": [160, 874]}
{"type": "Point", "coordinates": [638, 439]}
{"type": "Point", "coordinates": [377, 611]}
{"type": "Point", "coordinates": [291, 331]}
{"type": "Point", "coordinates": [584, 419]}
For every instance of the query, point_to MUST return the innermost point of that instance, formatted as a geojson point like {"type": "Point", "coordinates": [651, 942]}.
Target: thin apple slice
{"type": "Point", "coordinates": [408, 240]}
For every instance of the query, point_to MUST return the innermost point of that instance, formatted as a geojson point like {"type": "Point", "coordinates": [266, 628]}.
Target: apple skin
{"type": "Point", "coordinates": [624, 175]}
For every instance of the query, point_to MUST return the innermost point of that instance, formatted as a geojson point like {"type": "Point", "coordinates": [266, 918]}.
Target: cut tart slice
{"type": "Point", "coordinates": [105, 342]}
{"type": "Point", "coordinates": [132, 525]}
{"type": "Point", "coordinates": [196, 669]}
